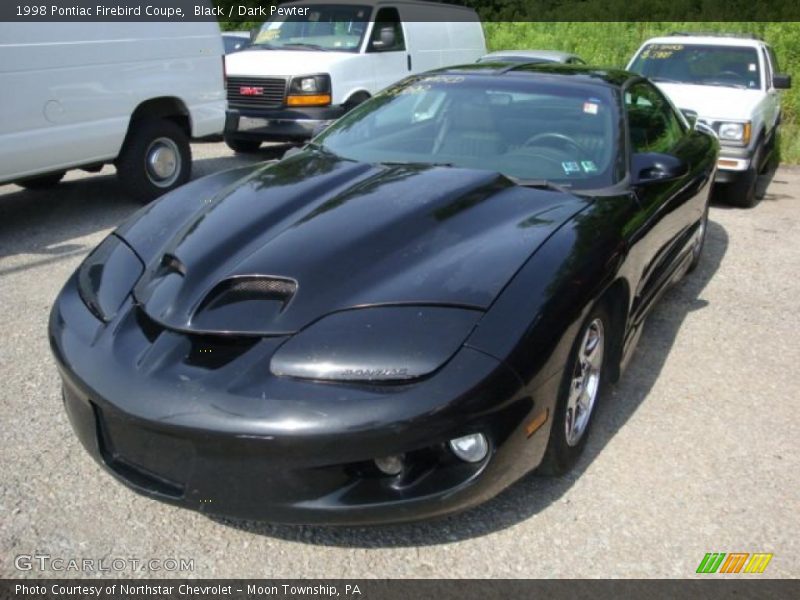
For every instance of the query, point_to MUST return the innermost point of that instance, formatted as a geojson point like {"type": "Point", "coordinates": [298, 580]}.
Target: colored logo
{"type": "Point", "coordinates": [735, 562]}
{"type": "Point", "coordinates": [251, 91]}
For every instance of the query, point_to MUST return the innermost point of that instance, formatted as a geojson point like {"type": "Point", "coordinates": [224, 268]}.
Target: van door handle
{"type": "Point", "coordinates": [408, 56]}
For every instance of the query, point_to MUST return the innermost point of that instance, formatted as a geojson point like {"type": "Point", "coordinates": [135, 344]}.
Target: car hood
{"type": "Point", "coordinates": [713, 103]}
{"type": "Point", "coordinates": [314, 234]}
{"type": "Point", "coordinates": [266, 63]}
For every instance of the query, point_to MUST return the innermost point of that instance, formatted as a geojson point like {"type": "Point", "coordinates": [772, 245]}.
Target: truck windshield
{"type": "Point", "coordinates": [532, 131]}
{"type": "Point", "coordinates": [728, 66]}
{"type": "Point", "coordinates": [338, 27]}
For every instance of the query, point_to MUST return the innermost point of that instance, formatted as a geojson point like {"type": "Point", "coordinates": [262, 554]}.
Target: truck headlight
{"type": "Point", "coordinates": [735, 132]}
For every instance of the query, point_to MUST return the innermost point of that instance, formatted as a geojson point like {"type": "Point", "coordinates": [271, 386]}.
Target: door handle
{"type": "Point", "coordinates": [408, 57]}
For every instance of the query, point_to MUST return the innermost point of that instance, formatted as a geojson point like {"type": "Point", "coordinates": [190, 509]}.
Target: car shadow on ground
{"type": "Point", "coordinates": [47, 223]}
{"type": "Point", "coordinates": [533, 493]}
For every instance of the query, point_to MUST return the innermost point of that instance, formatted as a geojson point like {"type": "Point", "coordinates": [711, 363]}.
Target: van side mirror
{"type": "Point", "coordinates": [691, 116]}
{"type": "Point", "coordinates": [654, 167]}
{"type": "Point", "coordinates": [386, 38]}
{"type": "Point", "coordinates": [782, 81]}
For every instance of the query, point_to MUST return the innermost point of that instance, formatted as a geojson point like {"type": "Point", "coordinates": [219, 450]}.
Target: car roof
{"type": "Point", "coordinates": [708, 40]}
{"type": "Point", "coordinates": [554, 55]}
{"type": "Point", "coordinates": [546, 71]}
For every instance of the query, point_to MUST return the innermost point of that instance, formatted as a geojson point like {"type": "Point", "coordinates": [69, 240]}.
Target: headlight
{"type": "Point", "coordinates": [389, 343]}
{"type": "Point", "coordinates": [735, 132]}
{"type": "Point", "coordinates": [310, 90]}
{"type": "Point", "coordinates": [107, 276]}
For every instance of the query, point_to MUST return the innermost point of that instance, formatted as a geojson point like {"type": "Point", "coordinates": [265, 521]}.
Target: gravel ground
{"type": "Point", "coordinates": [695, 451]}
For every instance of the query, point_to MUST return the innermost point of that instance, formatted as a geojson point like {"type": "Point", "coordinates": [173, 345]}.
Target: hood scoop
{"type": "Point", "coordinates": [236, 304]}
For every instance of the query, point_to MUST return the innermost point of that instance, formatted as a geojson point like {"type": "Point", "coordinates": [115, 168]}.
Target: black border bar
{"type": "Point", "coordinates": [249, 11]}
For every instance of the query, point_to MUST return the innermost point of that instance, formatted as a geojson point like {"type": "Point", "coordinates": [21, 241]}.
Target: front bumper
{"type": "Point", "coordinates": [280, 124]}
{"type": "Point", "coordinates": [732, 162]}
{"type": "Point", "coordinates": [236, 441]}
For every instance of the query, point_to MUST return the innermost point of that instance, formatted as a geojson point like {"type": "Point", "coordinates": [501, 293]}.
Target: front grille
{"type": "Point", "coordinates": [272, 91]}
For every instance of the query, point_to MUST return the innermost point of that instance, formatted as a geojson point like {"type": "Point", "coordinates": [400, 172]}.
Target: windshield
{"type": "Point", "coordinates": [728, 66]}
{"type": "Point", "coordinates": [526, 129]}
{"type": "Point", "coordinates": [324, 27]}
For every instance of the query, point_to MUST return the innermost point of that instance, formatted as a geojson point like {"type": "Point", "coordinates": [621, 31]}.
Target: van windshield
{"type": "Point", "coordinates": [727, 66]}
{"type": "Point", "coordinates": [338, 27]}
{"type": "Point", "coordinates": [528, 129]}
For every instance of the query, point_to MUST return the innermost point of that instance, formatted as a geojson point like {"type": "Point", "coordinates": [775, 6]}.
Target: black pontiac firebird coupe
{"type": "Point", "coordinates": [399, 320]}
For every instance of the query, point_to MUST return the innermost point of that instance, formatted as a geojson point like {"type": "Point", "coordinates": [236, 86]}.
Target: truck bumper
{"type": "Point", "coordinates": [733, 163]}
{"type": "Point", "coordinates": [279, 124]}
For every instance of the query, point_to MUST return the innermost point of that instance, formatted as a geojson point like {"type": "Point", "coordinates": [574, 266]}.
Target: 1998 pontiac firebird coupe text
{"type": "Point", "coordinates": [402, 318]}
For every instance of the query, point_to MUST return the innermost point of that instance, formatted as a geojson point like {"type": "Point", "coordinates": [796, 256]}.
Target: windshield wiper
{"type": "Point", "coordinates": [665, 80]}
{"type": "Point", "coordinates": [321, 148]}
{"type": "Point", "coordinates": [304, 45]}
{"type": "Point", "coordinates": [738, 86]}
{"type": "Point", "coordinates": [401, 163]}
{"type": "Point", "coordinates": [262, 46]}
{"type": "Point", "coordinates": [541, 184]}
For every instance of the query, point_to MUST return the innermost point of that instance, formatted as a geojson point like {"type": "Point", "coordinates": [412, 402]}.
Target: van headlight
{"type": "Point", "coordinates": [735, 132]}
{"type": "Point", "coordinates": [107, 276]}
{"type": "Point", "coordinates": [310, 90]}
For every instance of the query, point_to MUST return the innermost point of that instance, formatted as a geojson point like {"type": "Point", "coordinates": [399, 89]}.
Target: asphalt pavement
{"type": "Point", "coordinates": [694, 451]}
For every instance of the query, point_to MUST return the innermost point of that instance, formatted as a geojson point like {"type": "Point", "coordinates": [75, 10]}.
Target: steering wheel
{"type": "Point", "coordinates": [563, 140]}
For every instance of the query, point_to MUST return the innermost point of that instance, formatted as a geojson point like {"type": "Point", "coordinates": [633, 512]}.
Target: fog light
{"type": "Point", "coordinates": [470, 448]}
{"type": "Point", "coordinates": [390, 465]}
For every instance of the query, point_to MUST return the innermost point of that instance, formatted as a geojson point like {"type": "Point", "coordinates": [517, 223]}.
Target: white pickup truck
{"type": "Point", "coordinates": [731, 84]}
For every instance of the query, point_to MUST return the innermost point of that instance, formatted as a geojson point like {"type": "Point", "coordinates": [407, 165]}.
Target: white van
{"type": "Point", "coordinates": [312, 61]}
{"type": "Point", "coordinates": [80, 95]}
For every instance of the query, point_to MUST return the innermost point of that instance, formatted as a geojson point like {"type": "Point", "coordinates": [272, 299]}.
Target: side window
{"type": "Point", "coordinates": [387, 19]}
{"type": "Point", "coordinates": [653, 124]}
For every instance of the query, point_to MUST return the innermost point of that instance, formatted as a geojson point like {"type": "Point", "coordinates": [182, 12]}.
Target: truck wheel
{"type": "Point", "coordinates": [42, 182]}
{"type": "Point", "coordinates": [744, 193]}
{"type": "Point", "coordinates": [241, 146]}
{"type": "Point", "coordinates": [697, 249]}
{"type": "Point", "coordinates": [155, 159]}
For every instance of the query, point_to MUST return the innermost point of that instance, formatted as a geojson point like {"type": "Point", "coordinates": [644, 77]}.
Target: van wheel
{"type": "Point", "coordinates": [155, 159]}
{"type": "Point", "coordinates": [241, 146]}
{"type": "Point", "coordinates": [41, 183]}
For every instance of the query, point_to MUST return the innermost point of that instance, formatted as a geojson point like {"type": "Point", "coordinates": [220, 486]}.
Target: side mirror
{"type": "Point", "coordinates": [691, 116]}
{"type": "Point", "coordinates": [385, 39]}
{"type": "Point", "coordinates": [654, 167]}
{"type": "Point", "coordinates": [781, 81]}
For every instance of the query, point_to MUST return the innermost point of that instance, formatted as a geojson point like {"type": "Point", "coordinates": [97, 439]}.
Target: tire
{"type": "Point", "coordinates": [563, 448]}
{"type": "Point", "coordinates": [241, 146]}
{"type": "Point", "coordinates": [697, 249]}
{"type": "Point", "coordinates": [42, 182]}
{"type": "Point", "coordinates": [155, 159]}
{"type": "Point", "coordinates": [744, 193]}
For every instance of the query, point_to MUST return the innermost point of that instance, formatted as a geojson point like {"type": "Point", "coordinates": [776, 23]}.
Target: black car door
{"type": "Point", "coordinates": [670, 209]}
